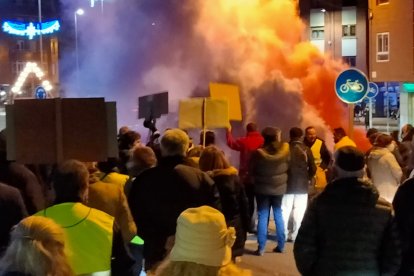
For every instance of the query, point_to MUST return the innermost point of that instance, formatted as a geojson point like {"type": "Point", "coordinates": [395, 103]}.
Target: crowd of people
{"type": "Point", "coordinates": [172, 207]}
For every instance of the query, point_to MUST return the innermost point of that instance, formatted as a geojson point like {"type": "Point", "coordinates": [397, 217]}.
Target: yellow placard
{"type": "Point", "coordinates": [190, 114]}
{"type": "Point", "coordinates": [231, 94]}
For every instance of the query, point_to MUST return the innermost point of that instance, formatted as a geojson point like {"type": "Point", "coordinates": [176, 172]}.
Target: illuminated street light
{"type": "Point", "coordinates": [77, 12]}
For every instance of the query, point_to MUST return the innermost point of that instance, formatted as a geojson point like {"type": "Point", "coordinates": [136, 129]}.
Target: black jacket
{"type": "Point", "coordinates": [12, 210]}
{"type": "Point", "coordinates": [301, 168]}
{"type": "Point", "coordinates": [348, 230]}
{"type": "Point", "coordinates": [234, 205]}
{"type": "Point", "coordinates": [404, 216]}
{"type": "Point", "coordinates": [160, 194]}
{"type": "Point", "coordinates": [20, 177]}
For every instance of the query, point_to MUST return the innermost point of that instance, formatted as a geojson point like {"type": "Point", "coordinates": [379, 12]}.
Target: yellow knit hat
{"type": "Point", "coordinates": [202, 237]}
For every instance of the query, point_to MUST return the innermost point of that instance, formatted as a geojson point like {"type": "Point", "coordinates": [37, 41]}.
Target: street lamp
{"type": "Point", "coordinates": [39, 4]}
{"type": "Point", "coordinates": [77, 12]}
{"type": "Point", "coordinates": [331, 41]}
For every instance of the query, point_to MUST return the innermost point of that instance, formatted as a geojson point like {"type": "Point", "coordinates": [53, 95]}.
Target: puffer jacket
{"type": "Point", "coordinates": [268, 167]}
{"type": "Point", "coordinates": [348, 230]}
{"type": "Point", "coordinates": [385, 172]}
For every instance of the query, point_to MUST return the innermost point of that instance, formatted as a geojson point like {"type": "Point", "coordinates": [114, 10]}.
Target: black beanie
{"type": "Point", "coordinates": [349, 159]}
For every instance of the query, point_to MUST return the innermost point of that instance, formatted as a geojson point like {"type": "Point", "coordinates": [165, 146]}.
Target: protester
{"type": "Point", "coordinates": [404, 205]}
{"type": "Point", "coordinates": [210, 137]}
{"type": "Point", "coordinates": [110, 198]}
{"type": "Point", "coordinates": [36, 249]}
{"type": "Point", "coordinates": [405, 150]}
{"type": "Point", "coordinates": [202, 246]}
{"type": "Point", "coordinates": [268, 168]}
{"type": "Point", "coordinates": [232, 195]}
{"type": "Point", "coordinates": [20, 177]}
{"type": "Point", "coordinates": [301, 170]}
{"type": "Point", "coordinates": [108, 173]}
{"type": "Point", "coordinates": [194, 155]}
{"type": "Point", "coordinates": [88, 231]}
{"type": "Point", "coordinates": [142, 158]}
{"type": "Point", "coordinates": [158, 195]}
{"type": "Point", "coordinates": [321, 156]}
{"type": "Point", "coordinates": [341, 139]}
{"type": "Point", "coordinates": [12, 210]}
{"type": "Point", "coordinates": [126, 142]}
{"type": "Point", "coordinates": [383, 167]}
{"type": "Point", "coordinates": [246, 146]}
{"type": "Point", "coordinates": [348, 229]}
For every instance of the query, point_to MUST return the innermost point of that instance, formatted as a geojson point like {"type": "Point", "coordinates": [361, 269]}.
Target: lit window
{"type": "Point", "coordinates": [317, 33]}
{"type": "Point", "coordinates": [383, 47]}
{"type": "Point", "coordinates": [349, 30]}
{"type": "Point", "coordinates": [382, 2]}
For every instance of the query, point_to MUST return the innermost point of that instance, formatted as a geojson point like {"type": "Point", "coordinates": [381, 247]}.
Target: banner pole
{"type": "Point", "coordinates": [204, 121]}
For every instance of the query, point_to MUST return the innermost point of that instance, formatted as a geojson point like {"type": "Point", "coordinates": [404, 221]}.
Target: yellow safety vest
{"type": "Point", "coordinates": [88, 235]}
{"type": "Point", "coordinates": [320, 176]}
{"type": "Point", "coordinates": [316, 151]}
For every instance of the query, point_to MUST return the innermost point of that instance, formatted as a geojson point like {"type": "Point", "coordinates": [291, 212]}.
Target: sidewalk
{"type": "Point", "coordinates": [379, 123]}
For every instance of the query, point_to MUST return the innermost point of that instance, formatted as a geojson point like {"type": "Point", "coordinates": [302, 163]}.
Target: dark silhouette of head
{"type": "Point", "coordinates": [295, 133]}
{"type": "Point", "coordinates": [338, 134]}
{"type": "Point", "coordinates": [271, 135]}
{"type": "Point", "coordinates": [251, 127]}
{"type": "Point", "coordinates": [70, 181]}
{"type": "Point", "coordinates": [210, 138]}
{"type": "Point", "coordinates": [383, 140]}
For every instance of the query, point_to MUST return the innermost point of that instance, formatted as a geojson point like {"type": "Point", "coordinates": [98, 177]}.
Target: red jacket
{"type": "Point", "coordinates": [246, 145]}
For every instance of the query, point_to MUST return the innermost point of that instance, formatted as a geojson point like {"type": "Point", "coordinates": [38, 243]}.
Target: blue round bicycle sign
{"type": "Point", "coordinates": [373, 90]}
{"type": "Point", "coordinates": [351, 86]}
{"type": "Point", "coordinates": [40, 93]}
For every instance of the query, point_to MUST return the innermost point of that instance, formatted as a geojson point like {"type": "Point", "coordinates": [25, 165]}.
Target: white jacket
{"type": "Point", "coordinates": [385, 172]}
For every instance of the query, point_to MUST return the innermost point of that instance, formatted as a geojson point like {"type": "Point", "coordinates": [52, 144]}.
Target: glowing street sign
{"type": "Point", "coordinates": [30, 30]}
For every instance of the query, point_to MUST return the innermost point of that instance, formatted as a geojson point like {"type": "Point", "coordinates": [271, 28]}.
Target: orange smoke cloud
{"type": "Point", "coordinates": [284, 81]}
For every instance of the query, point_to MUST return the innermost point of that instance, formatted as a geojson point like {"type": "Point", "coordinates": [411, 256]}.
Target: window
{"type": "Point", "coordinates": [349, 30]}
{"type": "Point", "coordinates": [382, 2]}
{"type": "Point", "coordinates": [53, 46]}
{"type": "Point", "coordinates": [317, 33]}
{"type": "Point", "coordinates": [383, 47]}
{"type": "Point", "coordinates": [20, 45]}
{"type": "Point", "coordinates": [350, 60]}
{"type": "Point", "coordinates": [18, 67]}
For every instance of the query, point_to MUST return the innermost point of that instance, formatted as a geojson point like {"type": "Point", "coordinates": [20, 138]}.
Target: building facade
{"type": "Point", "coordinates": [338, 27]}
{"type": "Point", "coordinates": [391, 59]}
{"type": "Point", "coordinates": [17, 50]}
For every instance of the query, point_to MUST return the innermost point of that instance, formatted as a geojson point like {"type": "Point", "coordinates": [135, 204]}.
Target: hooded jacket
{"type": "Point", "coordinates": [348, 230]}
{"type": "Point", "coordinates": [269, 167]}
{"type": "Point", "coordinates": [234, 204]}
{"type": "Point", "coordinates": [385, 172]}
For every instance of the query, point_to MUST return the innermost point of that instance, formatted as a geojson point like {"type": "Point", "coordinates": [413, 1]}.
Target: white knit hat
{"type": "Point", "coordinates": [202, 237]}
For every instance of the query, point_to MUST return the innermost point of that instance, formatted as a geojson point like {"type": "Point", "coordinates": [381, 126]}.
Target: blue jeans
{"type": "Point", "coordinates": [264, 202]}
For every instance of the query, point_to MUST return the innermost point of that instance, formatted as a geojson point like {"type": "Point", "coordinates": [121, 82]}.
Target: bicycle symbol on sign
{"type": "Point", "coordinates": [354, 86]}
